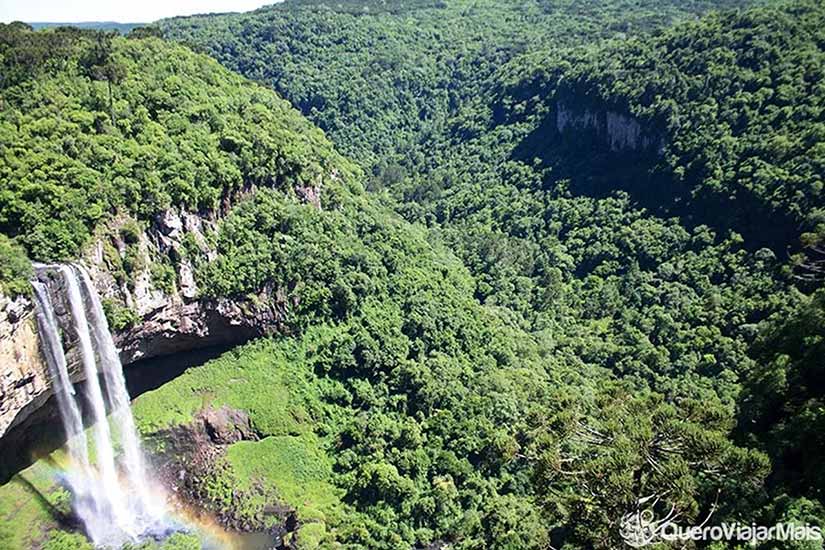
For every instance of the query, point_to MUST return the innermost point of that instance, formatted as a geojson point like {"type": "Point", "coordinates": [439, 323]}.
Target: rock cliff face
{"type": "Point", "coordinates": [24, 378]}
{"type": "Point", "coordinates": [142, 272]}
{"type": "Point", "coordinates": [620, 132]}
{"type": "Point", "coordinates": [164, 318]}
{"type": "Point", "coordinates": [174, 319]}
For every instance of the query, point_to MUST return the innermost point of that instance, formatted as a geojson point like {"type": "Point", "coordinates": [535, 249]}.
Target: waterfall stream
{"type": "Point", "coordinates": [77, 446]}
{"type": "Point", "coordinates": [149, 506]}
{"type": "Point", "coordinates": [112, 494]}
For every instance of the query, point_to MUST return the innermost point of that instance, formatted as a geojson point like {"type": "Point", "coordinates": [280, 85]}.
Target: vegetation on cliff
{"type": "Point", "coordinates": [736, 98]}
{"type": "Point", "coordinates": [93, 124]}
{"type": "Point", "coordinates": [545, 344]}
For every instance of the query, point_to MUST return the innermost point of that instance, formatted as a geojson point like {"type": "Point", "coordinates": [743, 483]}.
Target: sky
{"type": "Point", "coordinates": [122, 11]}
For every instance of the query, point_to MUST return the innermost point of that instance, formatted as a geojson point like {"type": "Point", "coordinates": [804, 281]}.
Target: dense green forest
{"type": "Point", "coordinates": [669, 266]}
{"type": "Point", "coordinates": [737, 99]}
{"type": "Point", "coordinates": [122, 28]}
{"type": "Point", "coordinates": [85, 132]}
{"type": "Point", "coordinates": [385, 79]}
{"type": "Point", "coordinates": [499, 334]}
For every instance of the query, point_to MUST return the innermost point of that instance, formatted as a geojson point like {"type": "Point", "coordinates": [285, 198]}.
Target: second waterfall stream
{"type": "Point", "coordinates": [113, 495]}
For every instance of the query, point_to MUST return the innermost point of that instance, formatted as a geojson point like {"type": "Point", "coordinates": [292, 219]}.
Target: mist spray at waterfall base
{"type": "Point", "coordinates": [113, 495]}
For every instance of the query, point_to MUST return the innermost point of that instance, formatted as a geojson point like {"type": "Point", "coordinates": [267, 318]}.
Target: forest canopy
{"type": "Point", "coordinates": [499, 331]}
{"type": "Point", "coordinates": [669, 266]}
{"type": "Point", "coordinates": [84, 133]}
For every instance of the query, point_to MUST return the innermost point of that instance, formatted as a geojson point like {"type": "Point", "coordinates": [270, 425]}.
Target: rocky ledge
{"type": "Point", "coordinates": [620, 132]}
{"type": "Point", "coordinates": [162, 321]}
{"type": "Point", "coordinates": [192, 461]}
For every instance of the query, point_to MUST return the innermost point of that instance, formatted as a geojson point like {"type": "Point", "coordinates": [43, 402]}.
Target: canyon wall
{"type": "Point", "coordinates": [24, 377]}
{"type": "Point", "coordinates": [618, 131]}
{"type": "Point", "coordinates": [165, 319]}
{"type": "Point", "coordinates": [166, 312]}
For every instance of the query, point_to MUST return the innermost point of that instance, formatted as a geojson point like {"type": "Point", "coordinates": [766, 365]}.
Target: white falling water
{"type": "Point", "coordinates": [115, 500]}
{"type": "Point", "coordinates": [148, 506]}
{"type": "Point", "coordinates": [85, 504]}
{"type": "Point", "coordinates": [112, 495]}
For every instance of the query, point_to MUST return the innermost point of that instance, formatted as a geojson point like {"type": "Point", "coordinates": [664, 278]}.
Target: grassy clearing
{"type": "Point", "coordinates": [32, 504]}
{"type": "Point", "coordinates": [296, 466]}
{"type": "Point", "coordinates": [270, 380]}
{"type": "Point", "coordinates": [264, 378]}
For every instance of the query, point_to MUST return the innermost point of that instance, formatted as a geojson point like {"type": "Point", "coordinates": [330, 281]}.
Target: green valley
{"type": "Point", "coordinates": [494, 274]}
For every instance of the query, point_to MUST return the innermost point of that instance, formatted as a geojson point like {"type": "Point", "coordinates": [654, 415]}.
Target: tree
{"type": "Point", "coordinates": [99, 63]}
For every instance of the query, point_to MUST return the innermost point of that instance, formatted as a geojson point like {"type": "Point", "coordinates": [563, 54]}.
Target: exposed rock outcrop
{"type": "Point", "coordinates": [620, 132]}
{"type": "Point", "coordinates": [185, 325]}
{"type": "Point", "coordinates": [24, 378]}
{"type": "Point", "coordinates": [226, 426]}
{"type": "Point", "coordinates": [165, 318]}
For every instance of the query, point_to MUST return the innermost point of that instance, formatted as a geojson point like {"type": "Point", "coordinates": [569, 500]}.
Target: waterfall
{"type": "Point", "coordinates": [119, 399]}
{"type": "Point", "coordinates": [114, 499]}
{"type": "Point", "coordinates": [113, 496]}
{"type": "Point", "coordinates": [85, 505]}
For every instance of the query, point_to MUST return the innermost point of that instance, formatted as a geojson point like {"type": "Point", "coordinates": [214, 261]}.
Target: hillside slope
{"type": "Point", "coordinates": [391, 408]}
{"type": "Point", "coordinates": [383, 79]}
{"type": "Point", "coordinates": [631, 202]}
{"type": "Point", "coordinates": [735, 101]}
{"type": "Point", "coordinates": [85, 131]}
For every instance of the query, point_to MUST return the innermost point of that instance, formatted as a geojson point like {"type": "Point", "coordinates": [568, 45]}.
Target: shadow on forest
{"type": "Point", "coordinates": [584, 158]}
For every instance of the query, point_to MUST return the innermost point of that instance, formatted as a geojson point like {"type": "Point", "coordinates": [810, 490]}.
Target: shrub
{"type": "Point", "coordinates": [15, 268]}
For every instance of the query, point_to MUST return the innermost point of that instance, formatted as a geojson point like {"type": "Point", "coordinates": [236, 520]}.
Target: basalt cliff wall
{"type": "Point", "coordinates": [164, 319]}
{"type": "Point", "coordinates": [618, 131]}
